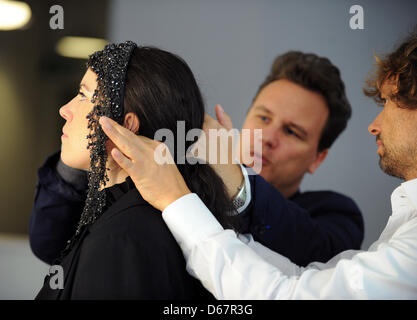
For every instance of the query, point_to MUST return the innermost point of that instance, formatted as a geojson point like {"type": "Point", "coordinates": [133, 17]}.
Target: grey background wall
{"type": "Point", "coordinates": [231, 44]}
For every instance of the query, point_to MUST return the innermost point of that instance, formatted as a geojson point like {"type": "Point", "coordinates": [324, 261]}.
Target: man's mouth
{"type": "Point", "coordinates": [262, 158]}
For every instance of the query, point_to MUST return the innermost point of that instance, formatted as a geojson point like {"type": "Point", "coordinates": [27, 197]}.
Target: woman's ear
{"type": "Point", "coordinates": [131, 122]}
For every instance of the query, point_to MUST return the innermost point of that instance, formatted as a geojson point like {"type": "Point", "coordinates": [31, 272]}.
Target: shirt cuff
{"type": "Point", "coordinates": [190, 221]}
{"type": "Point", "coordinates": [248, 191]}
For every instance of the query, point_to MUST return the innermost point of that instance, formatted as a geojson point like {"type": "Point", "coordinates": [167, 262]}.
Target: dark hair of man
{"type": "Point", "coordinates": [161, 90]}
{"type": "Point", "coordinates": [319, 75]}
{"type": "Point", "coordinates": [401, 67]}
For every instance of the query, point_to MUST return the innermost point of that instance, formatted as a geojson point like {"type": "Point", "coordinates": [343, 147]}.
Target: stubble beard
{"type": "Point", "coordinates": [397, 162]}
{"type": "Point", "coordinates": [389, 166]}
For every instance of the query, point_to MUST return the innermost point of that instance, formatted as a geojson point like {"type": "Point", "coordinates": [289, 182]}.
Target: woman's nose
{"type": "Point", "coordinates": [65, 112]}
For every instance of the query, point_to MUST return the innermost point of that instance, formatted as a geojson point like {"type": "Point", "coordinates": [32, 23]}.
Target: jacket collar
{"type": "Point", "coordinates": [120, 197]}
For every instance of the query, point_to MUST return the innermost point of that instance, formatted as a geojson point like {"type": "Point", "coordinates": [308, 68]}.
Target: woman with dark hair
{"type": "Point", "coordinates": [121, 248]}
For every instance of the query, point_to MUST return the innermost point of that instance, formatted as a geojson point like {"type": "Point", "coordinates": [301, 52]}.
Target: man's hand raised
{"type": "Point", "coordinates": [223, 117]}
{"type": "Point", "coordinates": [159, 184]}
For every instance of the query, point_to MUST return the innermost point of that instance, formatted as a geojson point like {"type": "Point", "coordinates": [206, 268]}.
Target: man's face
{"type": "Point", "coordinates": [292, 119]}
{"type": "Point", "coordinates": [395, 130]}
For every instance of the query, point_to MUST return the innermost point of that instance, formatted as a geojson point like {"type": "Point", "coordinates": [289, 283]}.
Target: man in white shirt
{"type": "Point", "coordinates": [237, 267]}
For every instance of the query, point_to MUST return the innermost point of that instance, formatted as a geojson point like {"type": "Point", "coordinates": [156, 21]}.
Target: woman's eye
{"type": "Point", "coordinates": [82, 95]}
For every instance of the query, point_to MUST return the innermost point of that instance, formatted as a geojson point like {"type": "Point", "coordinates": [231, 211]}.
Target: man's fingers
{"type": "Point", "coordinates": [120, 136]}
{"type": "Point", "coordinates": [219, 113]}
{"type": "Point", "coordinates": [210, 123]}
{"type": "Point", "coordinates": [208, 118]}
{"type": "Point", "coordinates": [124, 162]}
{"type": "Point", "coordinates": [223, 117]}
{"type": "Point", "coordinates": [130, 147]}
{"type": "Point", "coordinates": [113, 128]}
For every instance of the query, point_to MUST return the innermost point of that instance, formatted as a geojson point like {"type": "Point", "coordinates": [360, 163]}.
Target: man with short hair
{"type": "Point", "coordinates": [301, 108]}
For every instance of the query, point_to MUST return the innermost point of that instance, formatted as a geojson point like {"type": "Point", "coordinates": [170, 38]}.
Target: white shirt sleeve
{"type": "Point", "coordinates": [233, 267]}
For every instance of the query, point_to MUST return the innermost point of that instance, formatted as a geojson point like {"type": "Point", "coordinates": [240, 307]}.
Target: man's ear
{"type": "Point", "coordinates": [321, 155]}
{"type": "Point", "coordinates": [131, 122]}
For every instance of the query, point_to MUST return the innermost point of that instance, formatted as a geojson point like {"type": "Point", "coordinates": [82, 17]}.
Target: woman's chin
{"type": "Point", "coordinates": [74, 163]}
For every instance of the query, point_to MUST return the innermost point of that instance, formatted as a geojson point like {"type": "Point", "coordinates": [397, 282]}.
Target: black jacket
{"type": "Point", "coordinates": [310, 226]}
{"type": "Point", "coordinates": [128, 253]}
{"type": "Point", "coordinates": [307, 227]}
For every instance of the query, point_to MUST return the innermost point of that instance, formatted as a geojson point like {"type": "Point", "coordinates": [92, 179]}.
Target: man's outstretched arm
{"type": "Point", "coordinates": [58, 203]}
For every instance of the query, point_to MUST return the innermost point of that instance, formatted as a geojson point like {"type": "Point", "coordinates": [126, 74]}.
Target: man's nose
{"type": "Point", "coordinates": [270, 137]}
{"type": "Point", "coordinates": [374, 127]}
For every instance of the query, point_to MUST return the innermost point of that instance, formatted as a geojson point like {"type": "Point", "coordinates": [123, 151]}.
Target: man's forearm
{"type": "Point", "coordinates": [231, 175]}
{"type": "Point", "coordinates": [56, 210]}
{"type": "Point", "coordinates": [208, 247]}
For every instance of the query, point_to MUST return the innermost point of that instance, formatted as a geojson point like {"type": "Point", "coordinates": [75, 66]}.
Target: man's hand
{"type": "Point", "coordinates": [159, 184]}
{"type": "Point", "coordinates": [223, 117]}
{"type": "Point", "coordinates": [230, 172]}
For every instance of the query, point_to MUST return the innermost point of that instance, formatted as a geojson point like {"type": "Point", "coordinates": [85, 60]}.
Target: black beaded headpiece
{"type": "Point", "coordinates": [110, 65]}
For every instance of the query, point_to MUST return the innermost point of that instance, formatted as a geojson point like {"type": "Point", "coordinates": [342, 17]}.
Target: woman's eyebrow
{"type": "Point", "coordinates": [83, 85]}
{"type": "Point", "coordinates": [88, 92]}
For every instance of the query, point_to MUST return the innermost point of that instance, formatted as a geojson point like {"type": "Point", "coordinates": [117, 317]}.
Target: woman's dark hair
{"type": "Point", "coordinates": [317, 74]}
{"type": "Point", "coordinates": [401, 67]}
{"type": "Point", "coordinates": [161, 90]}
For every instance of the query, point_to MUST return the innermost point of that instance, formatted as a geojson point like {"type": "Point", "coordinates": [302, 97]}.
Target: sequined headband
{"type": "Point", "coordinates": [110, 65]}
